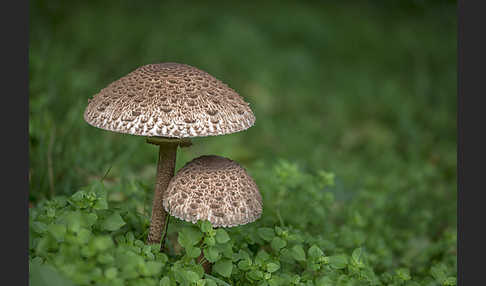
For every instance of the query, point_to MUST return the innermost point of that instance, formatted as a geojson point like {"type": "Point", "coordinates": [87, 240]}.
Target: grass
{"type": "Point", "coordinates": [365, 91]}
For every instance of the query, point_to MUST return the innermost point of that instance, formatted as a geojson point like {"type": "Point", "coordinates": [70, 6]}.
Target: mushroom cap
{"type": "Point", "coordinates": [169, 100]}
{"type": "Point", "coordinates": [216, 189]}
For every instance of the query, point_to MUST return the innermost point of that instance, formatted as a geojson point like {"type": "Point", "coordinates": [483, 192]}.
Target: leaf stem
{"type": "Point", "coordinates": [162, 242]}
{"type": "Point", "coordinates": [219, 281]}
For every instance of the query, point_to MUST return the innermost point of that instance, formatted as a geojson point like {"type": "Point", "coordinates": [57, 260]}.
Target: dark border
{"type": "Point", "coordinates": [470, 119]}
{"type": "Point", "coordinates": [460, 205]}
{"type": "Point", "coordinates": [14, 25]}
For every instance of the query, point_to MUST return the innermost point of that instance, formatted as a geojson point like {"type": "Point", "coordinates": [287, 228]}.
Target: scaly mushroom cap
{"type": "Point", "coordinates": [169, 100]}
{"type": "Point", "coordinates": [216, 189]}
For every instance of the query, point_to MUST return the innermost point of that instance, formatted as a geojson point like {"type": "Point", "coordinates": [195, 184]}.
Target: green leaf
{"type": "Point", "coordinates": [46, 275]}
{"type": "Point", "coordinates": [326, 178]}
{"type": "Point", "coordinates": [111, 273]}
{"type": "Point", "coordinates": [261, 257]}
{"type": "Point", "coordinates": [338, 261]}
{"type": "Point", "coordinates": [223, 267]}
{"type": "Point", "coordinates": [89, 219]}
{"type": "Point", "coordinates": [58, 231]}
{"type": "Point", "coordinates": [278, 243]}
{"type": "Point", "coordinates": [221, 236]}
{"type": "Point", "coordinates": [439, 272]}
{"type": "Point", "coordinates": [206, 226]}
{"type": "Point", "coordinates": [130, 237]}
{"type": "Point", "coordinates": [101, 203]}
{"type": "Point", "coordinates": [255, 275]}
{"type": "Point", "coordinates": [313, 266]}
{"type": "Point", "coordinates": [275, 281]}
{"type": "Point", "coordinates": [403, 274]}
{"type": "Point", "coordinates": [209, 240]}
{"type": "Point", "coordinates": [241, 255]}
{"type": "Point", "coordinates": [39, 227]}
{"type": "Point", "coordinates": [73, 220]}
{"type": "Point", "coordinates": [165, 281]}
{"type": "Point", "coordinates": [189, 237]}
{"type": "Point", "coordinates": [190, 276]}
{"type": "Point", "coordinates": [113, 222]}
{"type": "Point", "coordinates": [139, 243]}
{"type": "Point", "coordinates": [76, 220]}
{"type": "Point", "coordinates": [325, 281]}
{"type": "Point", "coordinates": [78, 196]}
{"type": "Point", "coordinates": [212, 254]}
{"type": "Point", "coordinates": [357, 257]}
{"type": "Point", "coordinates": [193, 252]}
{"type": "Point", "coordinates": [214, 280]}
{"type": "Point", "coordinates": [244, 264]}
{"type": "Point", "coordinates": [50, 212]}
{"type": "Point", "coordinates": [128, 272]}
{"type": "Point", "coordinates": [315, 252]}
{"type": "Point", "coordinates": [101, 243]}
{"type": "Point", "coordinates": [298, 253]}
{"type": "Point", "coordinates": [153, 268]}
{"type": "Point", "coordinates": [210, 282]}
{"type": "Point", "coordinates": [272, 267]}
{"type": "Point", "coordinates": [161, 257]}
{"type": "Point", "coordinates": [450, 281]}
{"type": "Point", "coordinates": [266, 233]}
{"type": "Point", "coordinates": [105, 258]}
{"type": "Point", "coordinates": [155, 248]}
{"type": "Point", "coordinates": [226, 249]}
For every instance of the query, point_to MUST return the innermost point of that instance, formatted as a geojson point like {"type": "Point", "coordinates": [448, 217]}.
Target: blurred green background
{"type": "Point", "coordinates": [363, 89]}
{"type": "Point", "coordinates": [366, 90]}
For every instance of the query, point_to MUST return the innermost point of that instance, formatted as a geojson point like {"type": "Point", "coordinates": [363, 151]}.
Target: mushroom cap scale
{"type": "Point", "coordinates": [216, 189]}
{"type": "Point", "coordinates": [169, 100]}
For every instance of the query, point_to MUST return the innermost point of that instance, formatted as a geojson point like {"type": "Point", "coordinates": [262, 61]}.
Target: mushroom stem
{"type": "Point", "coordinates": [183, 142]}
{"type": "Point", "coordinates": [165, 171]}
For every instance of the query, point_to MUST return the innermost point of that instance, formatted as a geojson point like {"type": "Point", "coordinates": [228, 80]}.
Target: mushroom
{"type": "Point", "coordinates": [169, 103]}
{"type": "Point", "coordinates": [215, 189]}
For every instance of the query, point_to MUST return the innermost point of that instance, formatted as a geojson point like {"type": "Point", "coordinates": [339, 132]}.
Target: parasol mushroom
{"type": "Point", "coordinates": [215, 189]}
{"type": "Point", "coordinates": [169, 103]}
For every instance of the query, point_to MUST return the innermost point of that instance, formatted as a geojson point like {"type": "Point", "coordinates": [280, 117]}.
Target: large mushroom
{"type": "Point", "coordinates": [215, 189]}
{"type": "Point", "coordinates": [169, 103]}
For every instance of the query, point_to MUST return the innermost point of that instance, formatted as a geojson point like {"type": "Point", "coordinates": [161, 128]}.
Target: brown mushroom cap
{"type": "Point", "coordinates": [216, 189]}
{"type": "Point", "coordinates": [169, 100]}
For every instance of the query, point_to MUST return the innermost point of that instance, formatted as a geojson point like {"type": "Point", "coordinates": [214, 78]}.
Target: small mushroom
{"type": "Point", "coordinates": [169, 103]}
{"type": "Point", "coordinates": [216, 189]}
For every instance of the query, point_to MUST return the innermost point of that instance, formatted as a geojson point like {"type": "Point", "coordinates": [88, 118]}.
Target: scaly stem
{"type": "Point", "coordinates": [165, 171]}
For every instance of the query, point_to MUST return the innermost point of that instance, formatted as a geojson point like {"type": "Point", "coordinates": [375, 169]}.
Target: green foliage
{"type": "Point", "coordinates": [72, 238]}
{"type": "Point", "coordinates": [46, 275]}
{"type": "Point", "coordinates": [223, 267]}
